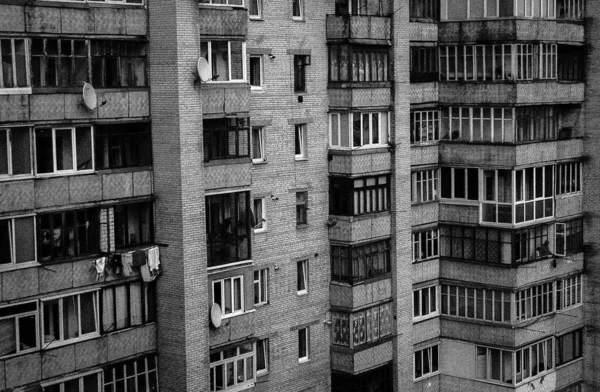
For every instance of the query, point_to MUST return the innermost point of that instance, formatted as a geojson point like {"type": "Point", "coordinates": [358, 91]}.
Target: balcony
{"type": "Point", "coordinates": [359, 161]}
{"type": "Point", "coordinates": [356, 296]}
{"type": "Point", "coordinates": [510, 30]}
{"type": "Point", "coordinates": [423, 32]}
{"type": "Point", "coordinates": [223, 21]}
{"type": "Point", "coordinates": [225, 98]}
{"type": "Point", "coordinates": [353, 361]}
{"type": "Point", "coordinates": [364, 29]}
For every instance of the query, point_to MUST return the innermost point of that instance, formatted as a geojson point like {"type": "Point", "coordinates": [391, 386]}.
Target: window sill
{"type": "Point", "coordinates": [16, 91]}
{"type": "Point", "coordinates": [66, 173]}
{"type": "Point", "coordinates": [259, 231]}
{"type": "Point", "coordinates": [300, 159]}
{"type": "Point", "coordinates": [302, 293]}
{"type": "Point", "coordinates": [13, 267]}
{"type": "Point", "coordinates": [222, 267]}
{"type": "Point", "coordinates": [256, 88]}
{"type": "Point", "coordinates": [227, 161]}
{"type": "Point", "coordinates": [77, 90]}
{"type": "Point", "coordinates": [298, 19]}
{"type": "Point", "coordinates": [225, 83]}
{"type": "Point", "coordinates": [302, 226]}
{"type": "Point", "coordinates": [256, 18]}
{"type": "Point", "coordinates": [303, 360]}
{"type": "Point", "coordinates": [369, 149]}
{"type": "Point", "coordinates": [259, 161]}
{"type": "Point", "coordinates": [236, 314]}
{"type": "Point", "coordinates": [428, 376]}
{"type": "Point", "coordinates": [79, 4]}
{"type": "Point", "coordinates": [224, 7]}
{"type": "Point", "coordinates": [417, 320]}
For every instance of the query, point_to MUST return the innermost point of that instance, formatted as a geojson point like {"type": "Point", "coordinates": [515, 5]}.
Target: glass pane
{"type": "Point", "coordinates": [237, 60]}
{"type": "Point", "coordinates": [64, 149]}
{"type": "Point", "coordinates": [25, 244]}
{"type": "Point", "coordinates": [21, 151]}
{"type": "Point", "coordinates": [83, 139]}
{"type": "Point", "coordinates": [70, 317]}
{"type": "Point", "coordinates": [44, 155]}
{"type": "Point", "coordinates": [8, 337]}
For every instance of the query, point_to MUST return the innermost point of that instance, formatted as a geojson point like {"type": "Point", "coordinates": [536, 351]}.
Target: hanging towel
{"type": "Point", "coordinates": [100, 264]}
{"type": "Point", "coordinates": [139, 258]}
{"type": "Point", "coordinates": [153, 258]}
{"type": "Point", "coordinates": [127, 260]}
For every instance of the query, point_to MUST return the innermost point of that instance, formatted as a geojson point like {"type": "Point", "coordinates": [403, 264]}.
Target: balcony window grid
{"type": "Point", "coordinates": [19, 328]}
{"type": "Point", "coordinates": [424, 185]}
{"type": "Point", "coordinates": [425, 9]}
{"type": "Point", "coordinates": [358, 63]}
{"type": "Point", "coordinates": [425, 126]}
{"type": "Point", "coordinates": [68, 234]}
{"type": "Point", "coordinates": [89, 382]}
{"type": "Point", "coordinates": [524, 61]}
{"type": "Point", "coordinates": [569, 237]}
{"type": "Point", "coordinates": [133, 224]}
{"type": "Point", "coordinates": [118, 146]}
{"type": "Point", "coordinates": [548, 61]}
{"type": "Point", "coordinates": [17, 241]}
{"type": "Point", "coordinates": [118, 63]}
{"type": "Point", "coordinates": [227, 60]}
{"type": "Point", "coordinates": [127, 305]}
{"type": "Point", "coordinates": [476, 62]}
{"type": "Point", "coordinates": [362, 129]}
{"type": "Point", "coordinates": [138, 374]}
{"type": "Point", "coordinates": [480, 244]}
{"type": "Point", "coordinates": [425, 245]}
{"type": "Point", "coordinates": [459, 183]}
{"type": "Point", "coordinates": [228, 293]}
{"type": "Point", "coordinates": [425, 302]}
{"type": "Point", "coordinates": [533, 360]}
{"type": "Point", "coordinates": [534, 301]}
{"type": "Point", "coordinates": [570, 9]}
{"type": "Point", "coordinates": [261, 279]}
{"type": "Point", "coordinates": [475, 303]}
{"type": "Point", "coordinates": [59, 62]}
{"type": "Point", "coordinates": [571, 63]}
{"type": "Point", "coordinates": [64, 150]}
{"type": "Point", "coordinates": [231, 3]}
{"type": "Point", "coordinates": [369, 325]}
{"type": "Point", "coordinates": [70, 317]}
{"type": "Point", "coordinates": [530, 243]}
{"type": "Point", "coordinates": [494, 364]}
{"type": "Point", "coordinates": [497, 205]}
{"type": "Point", "coordinates": [569, 292]}
{"type": "Point", "coordinates": [535, 123]}
{"type": "Point", "coordinates": [534, 193]}
{"type": "Point", "coordinates": [233, 368]}
{"type": "Point", "coordinates": [359, 196]}
{"type": "Point", "coordinates": [426, 362]}
{"type": "Point", "coordinates": [423, 64]}
{"type": "Point", "coordinates": [535, 8]}
{"type": "Point", "coordinates": [226, 138]}
{"type": "Point", "coordinates": [478, 124]}
{"type": "Point", "coordinates": [355, 263]}
{"type": "Point", "coordinates": [14, 64]}
{"type": "Point", "coordinates": [568, 178]}
{"type": "Point", "coordinates": [569, 347]}
{"type": "Point", "coordinates": [360, 7]}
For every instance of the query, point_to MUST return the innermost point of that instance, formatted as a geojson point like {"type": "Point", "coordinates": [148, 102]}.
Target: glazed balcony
{"type": "Point", "coordinates": [366, 29]}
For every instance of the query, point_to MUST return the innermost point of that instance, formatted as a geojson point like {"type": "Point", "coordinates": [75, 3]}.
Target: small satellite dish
{"type": "Point", "coordinates": [215, 315]}
{"type": "Point", "coordinates": [204, 70]}
{"type": "Point", "coordinates": [89, 96]}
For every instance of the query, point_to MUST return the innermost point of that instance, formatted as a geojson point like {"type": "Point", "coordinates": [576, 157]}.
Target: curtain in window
{"type": "Point", "coordinates": [261, 355]}
{"type": "Point", "coordinates": [88, 312]}
{"type": "Point", "coordinates": [108, 309]}
{"type": "Point", "coordinates": [122, 307]}
{"type": "Point", "coordinates": [70, 317]}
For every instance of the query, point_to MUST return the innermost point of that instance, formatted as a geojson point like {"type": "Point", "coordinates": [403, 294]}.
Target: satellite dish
{"type": "Point", "coordinates": [204, 70]}
{"type": "Point", "coordinates": [89, 96]}
{"type": "Point", "coordinates": [215, 315]}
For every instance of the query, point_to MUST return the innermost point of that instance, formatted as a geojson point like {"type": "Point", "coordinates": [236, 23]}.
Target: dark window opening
{"type": "Point", "coordinates": [226, 138]}
{"type": "Point", "coordinates": [125, 145]}
{"type": "Point", "coordinates": [133, 224]}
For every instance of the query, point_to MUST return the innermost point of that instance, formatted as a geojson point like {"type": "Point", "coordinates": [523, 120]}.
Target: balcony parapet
{"type": "Point", "coordinates": [354, 361]}
{"type": "Point", "coordinates": [360, 161]}
{"type": "Point", "coordinates": [363, 29]}
{"type": "Point", "coordinates": [223, 21]}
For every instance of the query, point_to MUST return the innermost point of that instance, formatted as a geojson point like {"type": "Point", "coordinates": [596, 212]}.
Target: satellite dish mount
{"type": "Point", "coordinates": [204, 71]}
{"type": "Point", "coordinates": [216, 317]}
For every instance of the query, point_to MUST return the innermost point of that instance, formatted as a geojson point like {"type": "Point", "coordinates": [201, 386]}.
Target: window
{"type": "Point", "coordinates": [494, 364]}
{"type": "Point", "coordinates": [568, 347]}
{"type": "Point", "coordinates": [232, 3]}
{"type": "Point", "coordinates": [87, 383]}
{"type": "Point", "coordinates": [226, 138]}
{"type": "Point", "coordinates": [477, 304]}
{"type": "Point", "coordinates": [300, 63]}
{"type": "Point", "coordinates": [570, 9]}
{"type": "Point", "coordinates": [301, 208]}
{"type": "Point", "coordinates": [302, 276]}
{"type": "Point", "coordinates": [534, 301]}
{"type": "Point", "coordinates": [524, 61]}
{"type": "Point", "coordinates": [133, 224]}
{"type": "Point", "coordinates": [119, 146]}
{"type": "Point", "coordinates": [424, 186]}
{"type": "Point", "coordinates": [227, 59]}
{"type": "Point", "coordinates": [424, 126]}
{"type": "Point", "coordinates": [459, 183]}
{"type": "Point", "coordinates": [534, 193]}
{"type": "Point", "coordinates": [425, 9]}
{"type": "Point", "coordinates": [300, 141]}
{"type": "Point", "coordinates": [531, 243]}
{"type": "Point", "coordinates": [425, 302]}
{"type": "Point", "coordinates": [18, 328]}
{"type": "Point", "coordinates": [262, 356]}
{"type": "Point", "coordinates": [533, 360]}
{"type": "Point", "coordinates": [358, 196]}
{"type": "Point", "coordinates": [535, 8]}
{"type": "Point", "coordinates": [260, 215]}
{"type": "Point", "coordinates": [478, 124]}
{"type": "Point", "coordinates": [478, 9]}
{"type": "Point", "coordinates": [59, 62]}
{"type": "Point", "coordinates": [426, 361]}
{"type": "Point", "coordinates": [15, 151]}
{"type": "Point", "coordinates": [358, 129]}
{"type": "Point", "coordinates": [229, 295]}
{"type": "Point", "coordinates": [496, 206]}
{"type": "Point", "coordinates": [63, 150]}
{"type": "Point", "coordinates": [536, 123]}
{"type": "Point", "coordinates": [360, 7]}
{"type": "Point", "coordinates": [571, 62]}
{"type": "Point", "coordinates": [127, 305]}
{"type": "Point", "coordinates": [569, 292]}
{"type": "Point", "coordinates": [569, 237]}
{"type": "Point", "coordinates": [109, 1]}
{"type": "Point", "coordinates": [228, 228]}
{"type": "Point", "coordinates": [118, 63]}
{"type": "Point", "coordinates": [356, 263]}
{"type": "Point", "coordinates": [481, 244]}
{"type": "Point", "coordinates": [425, 245]}
{"type": "Point", "coordinates": [14, 65]}
{"type": "Point", "coordinates": [298, 9]}
{"type": "Point", "coordinates": [261, 279]}
{"type": "Point", "coordinates": [378, 379]}
{"type": "Point", "coordinates": [355, 63]}
{"type": "Point", "coordinates": [568, 178]}
{"type": "Point", "coordinates": [258, 145]}
{"type": "Point", "coordinates": [233, 368]}
{"type": "Point", "coordinates": [68, 234]}
{"type": "Point", "coordinates": [369, 325]}
{"type": "Point", "coordinates": [303, 344]}
{"type": "Point", "coordinates": [547, 61]}
{"type": "Point", "coordinates": [255, 9]}
{"type": "Point", "coordinates": [17, 241]}
{"type": "Point", "coordinates": [70, 317]}
{"type": "Point", "coordinates": [477, 62]}
{"type": "Point", "coordinates": [256, 71]}
{"type": "Point", "coordinates": [423, 63]}
{"type": "Point", "coordinates": [122, 374]}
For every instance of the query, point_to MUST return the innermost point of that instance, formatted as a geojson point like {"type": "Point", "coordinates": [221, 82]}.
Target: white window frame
{"type": "Point", "coordinates": [571, 174]}
{"type": "Point", "coordinates": [63, 340]}
{"type": "Point", "coordinates": [62, 381]}
{"type": "Point", "coordinates": [506, 123]}
{"type": "Point", "coordinates": [212, 2]}
{"type": "Point", "coordinates": [261, 62]}
{"type": "Point", "coordinates": [305, 358]}
{"type": "Point", "coordinates": [430, 294]}
{"type": "Point", "coordinates": [425, 183]}
{"type": "Point", "coordinates": [265, 344]}
{"type": "Point", "coordinates": [260, 225]}
{"type": "Point", "coordinates": [234, 361]}
{"type": "Point", "coordinates": [16, 317]}
{"type": "Point", "coordinates": [574, 9]}
{"type": "Point", "coordinates": [9, 153]}
{"type": "Point", "coordinates": [261, 286]}
{"type": "Point", "coordinates": [258, 8]}
{"type": "Point", "coordinates": [303, 264]}
{"type": "Point", "coordinates": [146, 372]}
{"type": "Point", "coordinates": [301, 9]}
{"type": "Point", "coordinates": [569, 292]}
{"type": "Point", "coordinates": [535, 199]}
{"type": "Point", "coordinates": [244, 63]}
{"type": "Point", "coordinates": [383, 130]}
{"type": "Point", "coordinates": [426, 124]}
{"type": "Point", "coordinates": [431, 372]}
{"type": "Point", "coordinates": [142, 3]}
{"type": "Point", "coordinates": [452, 293]}
{"type": "Point", "coordinates": [55, 171]}
{"type": "Point", "coordinates": [13, 263]}
{"type": "Point", "coordinates": [300, 132]}
{"type": "Point", "coordinates": [529, 302]}
{"type": "Point", "coordinates": [16, 90]}
{"type": "Point", "coordinates": [542, 351]}
{"type": "Point", "coordinates": [494, 201]}
{"type": "Point", "coordinates": [503, 354]}
{"type": "Point", "coordinates": [548, 61]}
{"type": "Point", "coordinates": [430, 237]}
{"type": "Point", "coordinates": [234, 312]}
{"type": "Point", "coordinates": [261, 142]}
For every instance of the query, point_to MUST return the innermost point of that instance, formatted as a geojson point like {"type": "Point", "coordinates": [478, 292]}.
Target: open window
{"type": "Point", "coordinates": [71, 317]}
{"type": "Point", "coordinates": [60, 150]}
{"type": "Point", "coordinates": [126, 145]}
{"type": "Point", "coordinates": [59, 62]}
{"type": "Point", "coordinates": [118, 63]}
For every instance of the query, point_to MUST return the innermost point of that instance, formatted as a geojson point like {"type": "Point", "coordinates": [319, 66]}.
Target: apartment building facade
{"type": "Point", "coordinates": [262, 151]}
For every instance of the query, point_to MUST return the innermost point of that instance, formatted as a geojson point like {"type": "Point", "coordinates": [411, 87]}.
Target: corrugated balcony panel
{"type": "Point", "coordinates": [360, 161]}
{"type": "Point", "coordinates": [541, 93]}
{"type": "Point", "coordinates": [424, 154]}
{"type": "Point", "coordinates": [224, 21]}
{"type": "Point", "coordinates": [425, 330]}
{"type": "Point", "coordinates": [227, 175]}
{"type": "Point", "coordinates": [568, 205]}
{"type": "Point", "coordinates": [424, 213]}
{"type": "Point", "coordinates": [569, 373]}
{"type": "Point", "coordinates": [459, 213]}
{"type": "Point", "coordinates": [510, 30]}
{"type": "Point", "coordinates": [352, 297]}
{"type": "Point", "coordinates": [354, 362]}
{"type": "Point", "coordinates": [221, 99]}
{"type": "Point", "coordinates": [358, 228]}
{"type": "Point", "coordinates": [355, 97]}
{"type": "Point", "coordinates": [359, 27]}
{"type": "Point", "coordinates": [424, 92]}
{"type": "Point", "coordinates": [420, 31]}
